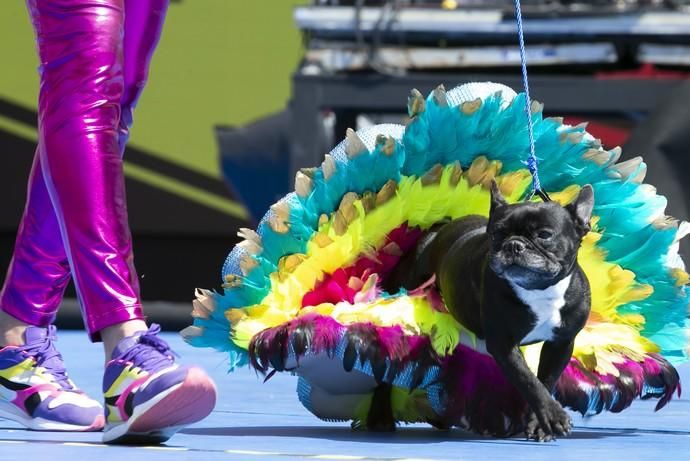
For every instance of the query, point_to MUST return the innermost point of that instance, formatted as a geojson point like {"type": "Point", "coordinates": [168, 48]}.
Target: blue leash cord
{"type": "Point", "coordinates": [532, 164]}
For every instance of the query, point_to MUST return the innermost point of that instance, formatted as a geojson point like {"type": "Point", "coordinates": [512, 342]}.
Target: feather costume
{"type": "Point", "coordinates": [302, 294]}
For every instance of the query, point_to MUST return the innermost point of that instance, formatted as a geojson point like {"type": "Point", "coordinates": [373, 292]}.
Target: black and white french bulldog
{"type": "Point", "coordinates": [513, 280]}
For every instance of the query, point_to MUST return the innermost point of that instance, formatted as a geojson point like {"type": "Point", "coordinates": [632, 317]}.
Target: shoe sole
{"type": "Point", "coordinates": [157, 420]}
{"type": "Point", "coordinates": [10, 411]}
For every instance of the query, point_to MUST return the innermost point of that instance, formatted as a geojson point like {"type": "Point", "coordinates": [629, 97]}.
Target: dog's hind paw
{"type": "Point", "coordinates": [548, 422]}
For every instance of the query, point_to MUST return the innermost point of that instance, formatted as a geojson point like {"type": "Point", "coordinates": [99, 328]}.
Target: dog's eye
{"type": "Point", "coordinates": [545, 234]}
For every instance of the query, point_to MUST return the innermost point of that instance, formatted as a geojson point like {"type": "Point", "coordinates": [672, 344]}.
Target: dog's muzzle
{"type": "Point", "coordinates": [513, 247]}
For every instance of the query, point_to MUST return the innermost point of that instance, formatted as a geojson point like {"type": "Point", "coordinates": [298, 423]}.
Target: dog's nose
{"type": "Point", "coordinates": [514, 247]}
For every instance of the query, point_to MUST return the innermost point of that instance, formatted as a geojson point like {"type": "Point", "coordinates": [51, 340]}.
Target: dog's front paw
{"type": "Point", "coordinates": [547, 422]}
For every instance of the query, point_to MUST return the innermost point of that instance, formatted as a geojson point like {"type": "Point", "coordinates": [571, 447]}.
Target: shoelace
{"type": "Point", "coordinates": [48, 357]}
{"type": "Point", "coordinates": [151, 353]}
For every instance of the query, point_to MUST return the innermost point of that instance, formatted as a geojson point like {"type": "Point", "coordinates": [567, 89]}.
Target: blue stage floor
{"type": "Point", "coordinates": [255, 421]}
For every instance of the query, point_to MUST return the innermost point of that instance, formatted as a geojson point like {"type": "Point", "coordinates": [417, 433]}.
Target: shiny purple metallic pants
{"type": "Point", "coordinates": [94, 59]}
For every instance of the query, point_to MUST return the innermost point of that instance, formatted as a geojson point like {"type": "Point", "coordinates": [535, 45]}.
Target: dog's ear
{"type": "Point", "coordinates": [497, 199]}
{"type": "Point", "coordinates": [581, 209]}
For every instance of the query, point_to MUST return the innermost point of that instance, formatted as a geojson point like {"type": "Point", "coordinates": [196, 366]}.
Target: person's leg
{"type": "Point", "coordinates": [148, 397]}
{"type": "Point", "coordinates": [82, 83]}
{"type": "Point", "coordinates": [143, 25]}
{"type": "Point", "coordinates": [158, 382]}
{"type": "Point", "coordinates": [39, 271]}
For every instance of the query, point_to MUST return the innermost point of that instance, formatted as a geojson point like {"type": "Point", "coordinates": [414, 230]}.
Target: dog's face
{"type": "Point", "coordinates": [534, 245]}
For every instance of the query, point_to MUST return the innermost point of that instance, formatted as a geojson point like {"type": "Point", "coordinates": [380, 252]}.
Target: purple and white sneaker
{"type": "Point", "coordinates": [148, 397]}
{"type": "Point", "coordinates": [36, 392]}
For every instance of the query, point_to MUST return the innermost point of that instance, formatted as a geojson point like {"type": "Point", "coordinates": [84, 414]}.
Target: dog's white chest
{"type": "Point", "coordinates": [546, 306]}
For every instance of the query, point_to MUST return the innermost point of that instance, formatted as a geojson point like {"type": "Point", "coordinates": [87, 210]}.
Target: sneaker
{"type": "Point", "coordinates": [148, 397]}
{"type": "Point", "coordinates": [36, 392]}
